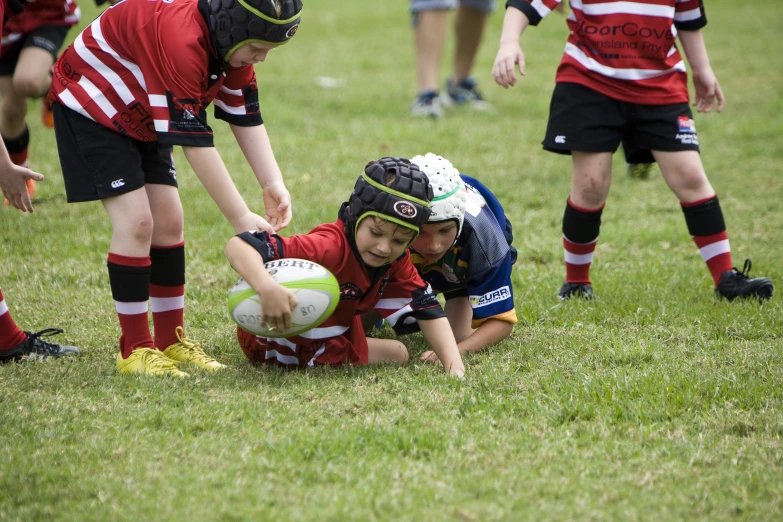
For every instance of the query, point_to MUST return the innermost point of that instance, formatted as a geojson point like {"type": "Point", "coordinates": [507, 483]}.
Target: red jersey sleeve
{"type": "Point", "coordinates": [535, 10]}
{"type": "Point", "coordinates": [237, 100]}
{"type": "Point", "coordinates": [405, 298]}
{"type": "Point", "coordinates": [689, 15]}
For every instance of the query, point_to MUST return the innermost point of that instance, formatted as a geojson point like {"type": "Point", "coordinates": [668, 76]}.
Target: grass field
{"type": "Point", "coordinates": [653, 402]}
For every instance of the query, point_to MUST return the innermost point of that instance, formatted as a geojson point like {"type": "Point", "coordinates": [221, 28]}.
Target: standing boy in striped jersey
{"type": "Point", "coordinates": [622, 80]}
{"type": "Point", "coordinates": [135, 83]}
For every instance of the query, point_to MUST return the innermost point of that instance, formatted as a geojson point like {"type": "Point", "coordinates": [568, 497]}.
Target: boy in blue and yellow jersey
{"type": "Point", "coordinates": [464, 252]}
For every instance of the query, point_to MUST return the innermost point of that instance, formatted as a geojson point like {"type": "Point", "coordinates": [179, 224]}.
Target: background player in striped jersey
{"type": "Point", "coordinates": [619, 54]}
{"type": "Point", "coordinates": [135, 83]}
{"type": "Point", "coordinates": [31, 41]}
{"type": "Point", "coordinates": [464, 252]}
{"type": "Point", "coordinates": [15, 343]}
{"type": "Point", "coordinates": [366, 250]}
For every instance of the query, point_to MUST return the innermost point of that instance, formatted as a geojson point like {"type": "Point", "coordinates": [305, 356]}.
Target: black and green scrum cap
{"type": "Point", "coordinates": [234, 23]}
{"type": "Point", "coordinates": [393, 189]}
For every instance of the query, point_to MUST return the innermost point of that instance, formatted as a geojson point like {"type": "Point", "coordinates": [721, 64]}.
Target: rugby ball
{"type": "Point", "coordinates": [315, 287]}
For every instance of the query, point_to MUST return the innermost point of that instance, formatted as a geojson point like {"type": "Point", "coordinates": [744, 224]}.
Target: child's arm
{"type": "Point", "coordinates": [490, 332]}
{"type": "Point", "coordinates": [439, 336]}
{"type": "Point", "coordinates": [212, 172]}
{"type": "Point", "coordinates": [510, 52]}
{"type": "Point", "coordinates": [704, 80]}
{"type": "Point", "coordinates": [276, 301]}
{"type": "Point", "coordinates": [255, 145]}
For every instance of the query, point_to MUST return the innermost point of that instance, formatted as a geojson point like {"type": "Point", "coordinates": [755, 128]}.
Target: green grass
{"type": "Point", "coordinates": [654, 402]}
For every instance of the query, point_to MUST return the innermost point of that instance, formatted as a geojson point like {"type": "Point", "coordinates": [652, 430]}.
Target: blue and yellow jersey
{"type": "Point", "coordinates": [478, 265]}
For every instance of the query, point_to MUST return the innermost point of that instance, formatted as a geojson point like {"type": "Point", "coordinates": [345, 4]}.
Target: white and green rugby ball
{"type": "Point", "coordinates": [315, 287]}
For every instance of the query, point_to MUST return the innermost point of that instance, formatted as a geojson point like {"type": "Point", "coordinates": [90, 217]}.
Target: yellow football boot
{"type": "Point", "coordinates": [149, 361]}
{"type": "Point", "coordinates": [188, 350]}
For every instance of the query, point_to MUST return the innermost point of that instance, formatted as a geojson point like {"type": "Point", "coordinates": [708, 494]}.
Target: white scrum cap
{"type": "Point", "coordinates": [450, 194]}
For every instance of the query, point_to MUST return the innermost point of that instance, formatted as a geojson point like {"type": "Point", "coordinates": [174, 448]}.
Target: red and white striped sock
{"type": "Point", "coordinates": [10, 334]}
{"type": "Point", "coordinates": [578, 258]}
{"type": "Point", "coordinates": [708, 229]}
{"type": "Point", "coordinates": [167, 292]}
{"type": "Point", "coordinates": [715, 251]}
{"type": "Point", "coordinates": [129, 277]}
{"type": "Point", "coordinates": [581, 227]}
{"type": "Point", "coordinates": [168, 311]}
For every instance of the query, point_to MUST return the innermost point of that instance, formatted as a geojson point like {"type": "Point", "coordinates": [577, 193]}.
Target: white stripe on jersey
{"type": "Point", "coordinates": [228, 108]}
{"type": "Point", "coordinates": [324, 333]}
{"type": "Point", "coordinates": [158, 100]}
{"type": "Point", "coordinates": [393, 304]}
{"type": "Point", "coordinates": [235, 92]}
{"type": "Point", "coordinates": [11, 38]}
{"type": "Point", "coordinates": [321, 350]}
{"type": "Point", "coordinates": [714, 249]}
{"type": "Point", "coordinates": [74, 17]}
{"type": "Point", "coordinates": [635, 8]}
{"type": "Point", "coordinates": [393, 318]}
{"type": "Point", "coordinates": [285, 359]}
{"type": "Point", "coordinates": [539, 6]}
{"type": "Point", "coordinates": [165, 304]}
{"type": "Point", "coordinates": [3, 307]}
{"type": "Point", "coordinates": [72, 103]}
{"type": "Point", "coordinates": [101, 68]}
{"type": "Point", "coordinates": [578, 259]}
{"type": "Point", "coordinates": [281, 342]}
{"type": "Point", "coordinates": [97, 97]}
{"type": "Point", "coordinates": [687, 16]}
{"type": "Point", "coordinates": [161, 125]}
{"type": "Point", "coordinates": [97, 34]}
{"type": "Point", "coordinates": [620, 74]}
{"type": "Point", "coordinates": [131, 308]}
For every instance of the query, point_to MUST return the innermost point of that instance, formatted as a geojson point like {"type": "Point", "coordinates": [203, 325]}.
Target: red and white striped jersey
{"type": "Point", "coordinates": [624, 49]}
{"type": "Point", "coordinates": [38, 13]}
{"type": "Point", "coordinates": [395, 291]}
{"type": "Point", "coordinates": [147, 69]}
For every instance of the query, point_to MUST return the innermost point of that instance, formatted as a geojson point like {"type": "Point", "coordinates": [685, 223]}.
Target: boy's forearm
{"type": "Point", "coordinates": [211, 171]}
{"type": "Point", "coordinates": [257, 149]}
{"type": "Point", "coordinates": [488, 333]}
{"type": "Point", "coordinates": [514, 24]}
{"type": "Point", "coordinates": [247, 263]}
{"type": "Point", "coordinates": [439, 336]}
{"type": "Point", "coordinates": [694, 48]}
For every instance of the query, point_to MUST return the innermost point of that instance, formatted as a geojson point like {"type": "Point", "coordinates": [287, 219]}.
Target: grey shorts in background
{"type": "Point", "coordinates": [434, 5]}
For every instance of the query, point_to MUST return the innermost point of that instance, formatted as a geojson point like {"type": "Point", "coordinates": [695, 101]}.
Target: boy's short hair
{"type": "Point", "coordinates": [234, 23]}
{"type": "Point", "coordinates": [393, 189]}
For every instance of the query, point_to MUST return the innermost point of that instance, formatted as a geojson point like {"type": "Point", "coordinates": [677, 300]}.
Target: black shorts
{"type": "Point", "coordinates": [585, 120]}
{"type": "Point", "coordinates": [47, 37]}
{"type": "Point", "coordinates": [99, 163]}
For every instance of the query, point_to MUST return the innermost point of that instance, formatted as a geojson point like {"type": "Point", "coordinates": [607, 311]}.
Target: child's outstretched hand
{"type": "Point", "coordinates": [707, 90]}
{"type": "Point", "coordinates": [277, 302]}
{"type": "Point", "coordinates": [13, 182]}
{"type": "Point", "coordinates": [509, 55]}
{"type": "Point", "coordinates": [277, 202]}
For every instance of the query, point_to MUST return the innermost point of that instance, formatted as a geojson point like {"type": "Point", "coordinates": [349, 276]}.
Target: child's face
{"type": "Point", "coordinates": [250, 54]}
{"type": "Point", "coordinates": [435, 239]}
{"type": "Point", "coordinates": [380, 242]}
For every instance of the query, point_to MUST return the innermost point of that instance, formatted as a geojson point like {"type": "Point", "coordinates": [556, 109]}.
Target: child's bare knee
{"type": "Point", "coordinates": [401, 352]}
